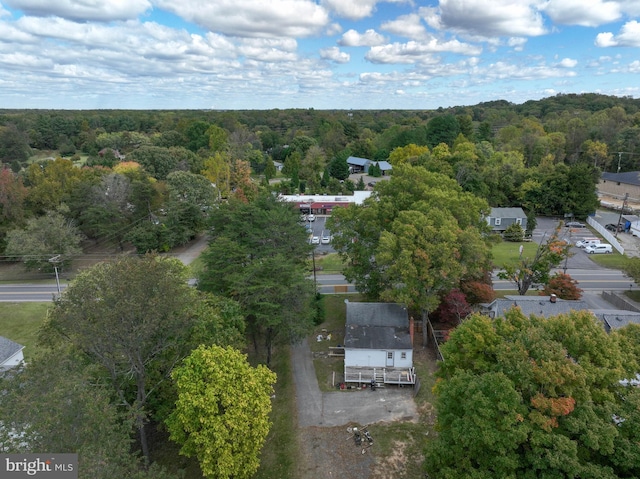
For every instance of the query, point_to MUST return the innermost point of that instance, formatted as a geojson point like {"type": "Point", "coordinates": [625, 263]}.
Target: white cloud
{"type": "Point", "coordinates": [82, 10]}
{"type": "Point", "coordinates": [576, 12]}
{"type": "Point", "coordinates": [629, 36]}
{"type": "Point", "coordinates": [268, 50]}
{"type": "Point", "coordinates": [489, 19]}
{"type": "Point", "coordinates": [568, 63]}
{"type": "Point", "coordinates": [370, 38]}
{"type": "Point", "coordinates": [417, 52]}
{"type": "Point", "coordinates": [252, 18]}
{"type": "Point", "coordinates": [351, 9]}
{"type": "Point", "coordinates": [634, 67]}
{"type": "Point", "coordinates": [335, 55]}
{"type": "Point", "coordinates": [408, 26]}
{"type": "Point", "coordinates": [507, 71]}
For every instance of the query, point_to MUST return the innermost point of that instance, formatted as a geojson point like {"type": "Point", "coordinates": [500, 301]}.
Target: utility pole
{"type": "Point", "coordinates": [624, 205]}
{"type": "Point", "coordinates": [55, 261]}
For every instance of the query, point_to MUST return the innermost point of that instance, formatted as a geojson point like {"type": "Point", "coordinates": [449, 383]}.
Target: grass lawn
{"type": "Point", "coordinates": [508, 253]}
{"type": "Point", "coordinates": [330, 263]}
{"type": "Point", "coordinates": [20, 323]}
{"type": "Point", "coordinates": [613, 261]}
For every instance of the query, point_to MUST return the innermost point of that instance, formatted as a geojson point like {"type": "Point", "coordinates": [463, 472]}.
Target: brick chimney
{"type": "Point", "coordinates": [411, 329]}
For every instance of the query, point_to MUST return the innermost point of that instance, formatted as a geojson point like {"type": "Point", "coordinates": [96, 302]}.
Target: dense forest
{"type": "Point", "coordinates": [148, 178]}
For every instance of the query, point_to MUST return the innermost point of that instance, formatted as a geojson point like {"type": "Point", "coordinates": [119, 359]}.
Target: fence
{"type": "Point", "coordinates": [608, 235]}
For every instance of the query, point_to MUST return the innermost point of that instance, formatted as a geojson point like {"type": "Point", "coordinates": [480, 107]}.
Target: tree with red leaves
{"type": "Point", "coordinates": [563, 286]}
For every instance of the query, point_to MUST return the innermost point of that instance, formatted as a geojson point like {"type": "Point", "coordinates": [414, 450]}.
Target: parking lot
{"type": "Point", "coordinates": [580, 259]}
{"type": "Point", "coordinates": [319, 230]}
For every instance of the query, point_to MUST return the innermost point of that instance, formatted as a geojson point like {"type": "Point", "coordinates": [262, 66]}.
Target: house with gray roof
{"type": "Point", "coordinates": [361, 165]}
{"type": "Point", "coordinates": [501, 218]}
{"type": "Point", "coordinates": [10, 354]}
{"type": "Point", "coordinates": [616, 318]}
{"type": "Point", "coordinates": [378, 344]}
{"type": "Point", "coordinates": [544, 306]}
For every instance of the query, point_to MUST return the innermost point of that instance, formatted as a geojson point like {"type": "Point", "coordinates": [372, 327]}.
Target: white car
{"type": "Point", "coordinates": [325, 239]}
{"type": "Point", "coordinates": [599, 248]}
{"type": "Point", "coordinates": [315, 240]}
{"type": "Point", "coordinates": [311, 217]}
{"type": "Point", "coordinates": [583, 243]}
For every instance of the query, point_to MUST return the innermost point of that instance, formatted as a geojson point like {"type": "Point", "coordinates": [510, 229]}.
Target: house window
{"type": "Point", "coordinates": [518, 221]}
{"type": "Point", "coordinates": [498, 220]}
{"type": "Point", "coordinates": [403, 355]}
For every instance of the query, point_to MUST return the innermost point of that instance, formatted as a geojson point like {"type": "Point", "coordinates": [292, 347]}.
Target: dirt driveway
{"type": "Point", "coordinates": [324, 419]}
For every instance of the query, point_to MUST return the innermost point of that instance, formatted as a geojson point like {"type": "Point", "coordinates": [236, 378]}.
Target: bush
{"type": "Point", "coordinates": [514, 233]}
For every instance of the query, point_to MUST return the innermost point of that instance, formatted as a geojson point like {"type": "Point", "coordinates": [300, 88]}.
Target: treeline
{"type": "Point", "coordinates": [148, 178]}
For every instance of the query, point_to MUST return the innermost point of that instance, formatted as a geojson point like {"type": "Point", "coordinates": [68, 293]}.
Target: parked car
{"type": "Point", "coordinates": [599, 248]}
{"type": "Point", "coordinates": [371, 184]}
{"type": "Point", "coordinates": [315, 240]}
{"type": "Point", "coordinates": [311, 217]}
{"type": "Point", "coordinates": [326, 239]}
{"type": "Point", "coordinates": [612, 227]}
{"type": "Point", "coordinates": [583, 243]}
{"type": "Point", "coordinates": [575, 224]}
{"type": "Point", "coordinates": [303, 218]}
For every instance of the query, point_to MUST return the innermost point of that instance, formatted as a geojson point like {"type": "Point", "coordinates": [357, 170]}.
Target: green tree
{"type": "Point", "coordinates": [50, 184]}
{"type": "Point", "coordinates": [44, 238]}
{"type": "Point", "coordinates": [258, 256]}
{"type": "Point", "coordinates": [338, 168]}
{"type": "Point", "coordinates": [157, 161]}
{"type": "Point", "coordinates": [13, 144]}
{"type": "Point", "coordinates": [222, 411]}
{"type": "Point", "coordinates": [134, 318]}
{"type": "Point", "coordinates": [414, 241]}
{"type": "Point", "coordinates": [442, 129]}
{"type": "Point", "coordinates": [529, 271]}
{"type": "Point", "coordinates": [535, 397]}
{"type": "Point", "coordinates": [80, 416]}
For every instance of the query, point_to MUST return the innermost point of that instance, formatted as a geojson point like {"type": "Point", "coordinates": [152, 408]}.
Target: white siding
{"type": "Point", "coordinates": [372, 358]}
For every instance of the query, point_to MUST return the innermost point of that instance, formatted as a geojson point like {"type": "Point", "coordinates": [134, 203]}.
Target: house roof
{"type": "Point", "coordinates": [616, 318]}
{"type": "Point", "coordinates": [629, 177]}
{"type": "Point", "coordinates": [536, 305]}
{"type": "Point", "coordinates": [354, 160]}
{"type": "Point", "coordinates": [385, 165]}
{"type": "Point", "coordinates": [8, 349]}
{"type": "Point", "coordinates": [377, 326]}
{"type": "Point", "coordinates": [507, 213]}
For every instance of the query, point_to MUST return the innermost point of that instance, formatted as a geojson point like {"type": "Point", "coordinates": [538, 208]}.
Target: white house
{"type": "Point", "coordinates": [378, 344]}
{"type": "Point", "coordinates": [10, 353]}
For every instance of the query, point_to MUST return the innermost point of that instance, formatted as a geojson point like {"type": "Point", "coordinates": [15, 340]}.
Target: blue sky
{"type": "Point", "coordinates": [323, 54]}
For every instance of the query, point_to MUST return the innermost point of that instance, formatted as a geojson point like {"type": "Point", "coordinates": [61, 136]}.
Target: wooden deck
{"type": "Point", "coordinates": [380, 375]}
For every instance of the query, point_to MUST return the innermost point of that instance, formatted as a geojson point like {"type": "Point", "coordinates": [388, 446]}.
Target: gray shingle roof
{"type": "Point", "coordinates": [8, 348]}
{"type": "Point", "coordinates": [377, 326]}
{"type": "Point", "coordinates": [616, 318]}
{"type": "Point", "coordinates": [507, 213]}
{"type": "Point", "coordinates": [537, 305]}
{"type": "Point", "coordinates": [629, 177]}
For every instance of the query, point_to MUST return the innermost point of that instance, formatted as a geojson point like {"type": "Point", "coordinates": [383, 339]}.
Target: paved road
{"type": "Point", "coordinates": [362, 406]}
